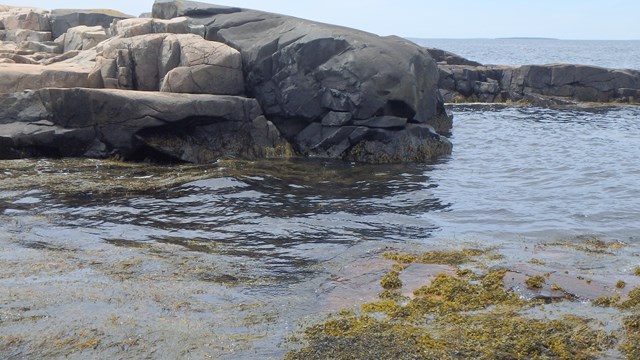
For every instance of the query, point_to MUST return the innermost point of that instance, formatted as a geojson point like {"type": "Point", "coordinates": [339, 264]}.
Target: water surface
{"type": "Point", "coordinates": [240, 252]}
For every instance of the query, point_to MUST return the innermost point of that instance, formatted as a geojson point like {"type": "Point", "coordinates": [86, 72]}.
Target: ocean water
{"type": "Point", "coordinates": [622, 54]}
{"type": "Point", "coordinates": [275, 242]}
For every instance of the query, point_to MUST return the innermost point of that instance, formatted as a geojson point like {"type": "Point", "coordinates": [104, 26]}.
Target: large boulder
{"type": "Point", "coordinates": [100, 122]}
{"type": "Point", "coordinates": [301, 71]}
{"type": "Point", "coordinates": [183, 63]}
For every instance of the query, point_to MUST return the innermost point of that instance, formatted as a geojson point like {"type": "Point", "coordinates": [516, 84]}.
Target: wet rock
{"type": "Point", "coordinates": [417, 142]}
{"type": "Point", "coordinates": [198, 128]}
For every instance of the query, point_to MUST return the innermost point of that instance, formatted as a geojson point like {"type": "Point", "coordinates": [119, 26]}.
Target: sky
{"type": "Point", "coordinates": [562, 19]}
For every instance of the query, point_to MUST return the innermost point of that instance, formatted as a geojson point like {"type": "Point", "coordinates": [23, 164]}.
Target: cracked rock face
{"type": "Point", "coordinates": [181, 63]}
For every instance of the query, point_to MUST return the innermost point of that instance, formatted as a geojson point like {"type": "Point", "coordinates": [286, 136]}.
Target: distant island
{"type": "Point", "coordinates": [525, 38]}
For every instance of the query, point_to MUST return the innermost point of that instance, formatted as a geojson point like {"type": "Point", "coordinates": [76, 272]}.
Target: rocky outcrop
{"type": "Point", "coordinates": [302, 72]}
{"type": "Point", "coordinates": [315, 89]}
{"type": "Point", "coordinates": [100, 122]}
{"type": "Point", "coordinates": [539, 84]}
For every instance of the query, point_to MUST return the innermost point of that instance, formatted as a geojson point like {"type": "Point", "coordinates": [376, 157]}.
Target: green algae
{"type": "Point", "coordinates": [452, 318]}
{"type": "Point", "coordinates": [537, 262]}
{"type": "Point", "coordinates": [631, 345]}
{"type": "Point", "coordinates": [443, 257]}
{"type": "Point", "coordinates": [633, 300]}
{"type": "Point", "coordinates": [535, 282]}
{"type": "Point", "coordinates": [636, 271]}
{"type": "Point", "coordinates": [391, 281]}
{"type": "Point", "coordinates": [462, 316]}
{"type": "Point", "coordinates": [606, 301]}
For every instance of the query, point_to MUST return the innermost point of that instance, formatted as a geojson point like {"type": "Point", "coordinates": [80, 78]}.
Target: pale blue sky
{"type": "Point", "coordinates": [564, 19]}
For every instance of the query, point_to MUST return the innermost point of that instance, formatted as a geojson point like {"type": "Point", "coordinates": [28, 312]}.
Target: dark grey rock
{"type": "Point", "coordinates": [304, 73]}
{"type": "Point", "coordinates": [538, 84]}
{"type": "Point", "coordinates": [417, 142]}
{"type": "Point", "coordinates": [80, 122]}
{"type": "Point", "coordinates": [449, 58]}
{"type": "Point", "coordinates": [382, 122]}
{"type": "Point", "coordinates": [336, 118]}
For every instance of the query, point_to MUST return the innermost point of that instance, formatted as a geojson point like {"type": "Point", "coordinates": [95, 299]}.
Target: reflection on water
{"type": "Point", "coordinates": [280, 232]}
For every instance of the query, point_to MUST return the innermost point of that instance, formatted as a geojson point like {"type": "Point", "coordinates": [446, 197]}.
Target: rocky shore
{"type": "Point", "coordinates": [196, 82]}
{"type": "Point", "coordinates": [463, 80]}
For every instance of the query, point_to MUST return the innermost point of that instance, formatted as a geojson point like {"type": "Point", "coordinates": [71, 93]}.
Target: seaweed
{"type": "Point", "coordinates": [462, 316]}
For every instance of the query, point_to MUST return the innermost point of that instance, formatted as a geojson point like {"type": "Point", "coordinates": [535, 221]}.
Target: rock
{"type": "Point", "coordinates": [49, 47]}
{"type": "Point", "coordinates": [382, 122]}
{"type": "Point", "coordinates": [18, 59]}
{"type": "Point", "coordinates": [20, 77]}
{"type": "Point", "coordinates": [83, 37]}
{"type": "Point", "coordinates": [172, 63]}
{"type": "Point", "coordinates": [74, 122]}
{"type": "Point", "coordinates": [21, 35]}
{"type": "Point", "coordinates": [169, 9]}
{"type": "Point", "coordinates": [19, 18]}
{"type": "Point", "coordinates": [416, 142]}
{"type": "Point", "coordinates": [63, 57]}
{"type": "Point", "coordinates": [546, 85]}
{"type": "Point", "coordinates": [204, 79]}
{"type": "Point", "coordinates": [144, 26]}
{"type": "Point", "coordinates": [335, 118]}
{"type": "Point", "coordinates": [301, 72]}
{"type": "Point", "coordinates": [64, 19]}
{"type": "Point", "coordinates": [449, 58]}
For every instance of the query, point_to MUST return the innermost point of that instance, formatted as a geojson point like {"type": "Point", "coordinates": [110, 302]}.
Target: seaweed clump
{"type": "Point", "coordinates": [631, 346]}
{"type": "Point", "coordinates": [463, 316]}
{"type": "Point", "coordinates": [535, 282]}
{"type": "Point", "coordinates": [442, 257]}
